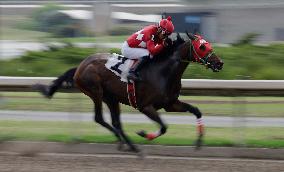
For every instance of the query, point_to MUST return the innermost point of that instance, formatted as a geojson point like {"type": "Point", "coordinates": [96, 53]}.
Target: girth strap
{"type": "Point", "coordinates": [131, 94]}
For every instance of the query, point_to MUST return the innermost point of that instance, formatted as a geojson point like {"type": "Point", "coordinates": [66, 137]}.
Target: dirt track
{"type": "Point", "coordinates": [127, 163]}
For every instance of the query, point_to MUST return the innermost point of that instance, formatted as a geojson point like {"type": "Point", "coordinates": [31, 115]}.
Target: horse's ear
{"type": "Point", "coordinates": [190, 35]}
{"type": "Point", "coordinates": [164, 16]}
{"type": "Point", "coordinates": [179, 37]}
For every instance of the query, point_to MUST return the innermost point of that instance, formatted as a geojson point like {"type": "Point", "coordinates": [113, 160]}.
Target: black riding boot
{"type": "Point", "coordinates": [133, 72]}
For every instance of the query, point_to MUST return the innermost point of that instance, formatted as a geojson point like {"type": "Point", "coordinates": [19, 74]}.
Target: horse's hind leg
{"type": "Point", "coordinates": [95, 92]}
{"type": "Point", "coordinates": [114, 110]}
{"type": "Point", "coordinates": [115, 116]}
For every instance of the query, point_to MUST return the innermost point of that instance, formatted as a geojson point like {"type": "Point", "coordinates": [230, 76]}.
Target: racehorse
{"type": "Point", "coordinates": [159, 88]}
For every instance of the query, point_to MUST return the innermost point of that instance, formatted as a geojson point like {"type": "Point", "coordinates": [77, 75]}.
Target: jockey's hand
{"type": "Point", "coordinates": [167, 42]}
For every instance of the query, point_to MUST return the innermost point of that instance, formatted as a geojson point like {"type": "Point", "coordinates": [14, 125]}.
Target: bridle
{"type": "Point", "coordinates": [203, 61]}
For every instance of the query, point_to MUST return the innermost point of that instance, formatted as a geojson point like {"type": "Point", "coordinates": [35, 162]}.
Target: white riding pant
{"type": "Point", "coordinates": [133, 53]}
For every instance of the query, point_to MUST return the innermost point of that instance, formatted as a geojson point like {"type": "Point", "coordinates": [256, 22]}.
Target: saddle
{"type": "Point", "coordinates": [120, 66]}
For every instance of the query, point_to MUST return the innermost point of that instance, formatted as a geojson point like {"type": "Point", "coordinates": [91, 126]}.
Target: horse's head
{"type": "Point", "coordinates": [202, 52]}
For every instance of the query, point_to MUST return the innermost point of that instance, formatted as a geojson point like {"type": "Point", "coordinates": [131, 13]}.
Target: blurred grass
{"type": "Point", "coordinates": [97, 39]}
{"type": "Point", "coordinates": [176, 135]}
{"type": "Point", "coordinates": [244, 62]}
{"type": "Point", "coordinates": [22, 28]}
{"type": "Point", "coordinates": [20, 34]}
{"type": "Point", "coordinates": [37, 36]}
{"type": "Point", "coordinates": [17, 27]}
{"type": "Point", "coordinates": [210, 106]}
{"type": "Point", "coordinates": [241, 62]}
{"type": "Point", "coordinates": [8, 33]}
{"type": "Point", "coordinates": [51, 62]}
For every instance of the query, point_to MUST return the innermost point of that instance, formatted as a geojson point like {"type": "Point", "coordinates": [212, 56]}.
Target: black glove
{"type": "Point", "coordinates": [168, 42]}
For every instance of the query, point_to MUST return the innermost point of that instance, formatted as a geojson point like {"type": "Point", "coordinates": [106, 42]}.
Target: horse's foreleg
{"type": "Point", "coordinates": [179, 106]}
{"type": "Point", "coordinates": [151, 112]}
{"type": "Point", "coordinates": [115, 116]}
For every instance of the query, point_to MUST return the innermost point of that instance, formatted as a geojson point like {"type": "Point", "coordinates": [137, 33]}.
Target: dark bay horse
{"type": "Point", "coordinates": [159, 88]}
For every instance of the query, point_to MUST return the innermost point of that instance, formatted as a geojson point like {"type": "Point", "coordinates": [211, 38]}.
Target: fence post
{"type": "Point", "coordinates": [239, 113]}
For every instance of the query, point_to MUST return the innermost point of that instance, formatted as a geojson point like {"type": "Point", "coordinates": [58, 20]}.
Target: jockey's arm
{"type": "Point", "coordinates": [154, 49]}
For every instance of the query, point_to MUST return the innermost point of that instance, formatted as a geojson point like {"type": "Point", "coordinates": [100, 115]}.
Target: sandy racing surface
{"type": "Point", "coordinates": [47, 162]}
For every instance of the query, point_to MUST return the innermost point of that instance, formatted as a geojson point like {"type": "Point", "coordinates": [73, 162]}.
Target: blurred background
{"type": "Point", "coordinates": [41, 38]}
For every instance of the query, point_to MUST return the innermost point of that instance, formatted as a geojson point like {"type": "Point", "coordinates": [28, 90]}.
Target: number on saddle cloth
{"type": "Point", "coordinates": [116, 67]}
{"type": "Point", "coordinates": [119, 65]}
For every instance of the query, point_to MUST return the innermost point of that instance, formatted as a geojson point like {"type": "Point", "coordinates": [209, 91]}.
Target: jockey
{"type": "Point", "coordinates": [146, 43]}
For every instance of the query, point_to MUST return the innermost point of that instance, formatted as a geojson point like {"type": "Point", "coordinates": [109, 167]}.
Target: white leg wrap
{"type": "Point", "coordinates": [199, 121]}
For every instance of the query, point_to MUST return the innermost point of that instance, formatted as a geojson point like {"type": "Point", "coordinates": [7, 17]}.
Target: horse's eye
{"type": "Point", "coordinates": [202, 47]}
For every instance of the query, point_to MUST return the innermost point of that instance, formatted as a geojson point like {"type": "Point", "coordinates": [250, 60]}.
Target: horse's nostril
{"type": "Point", "coordinates": [220, 65]}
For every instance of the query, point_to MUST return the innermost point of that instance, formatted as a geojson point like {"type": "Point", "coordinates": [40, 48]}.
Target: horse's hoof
{"type": "Point", "coordinates": [141, 155]}
{"type": "Point", "coordinates": [135, 149]}
{"type": "Point", "coordinates": [132, 150]}
{"type": "Point", "coordinates": [198, 144]}
{"type": "Point", "coordinates": [142, 133]}
{"type": "Point", "coordinates": [120, 146]}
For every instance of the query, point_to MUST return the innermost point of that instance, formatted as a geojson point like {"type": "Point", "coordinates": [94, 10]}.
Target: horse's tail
{"type": "Point", "coordinates": [49, 90]}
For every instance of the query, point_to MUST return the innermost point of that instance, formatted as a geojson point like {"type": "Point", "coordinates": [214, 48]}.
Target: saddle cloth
{"type": "Point", "coordinates": [119, 65]}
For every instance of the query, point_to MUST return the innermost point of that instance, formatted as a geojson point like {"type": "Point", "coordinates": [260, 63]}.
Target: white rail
{"type": "Point", "coordinates": [189, 86]}
{"type": "Point", "coordinates": [24, 81]}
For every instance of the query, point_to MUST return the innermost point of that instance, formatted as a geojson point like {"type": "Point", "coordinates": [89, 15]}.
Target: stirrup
{"type": "Point", "coordinates": [133, 76]}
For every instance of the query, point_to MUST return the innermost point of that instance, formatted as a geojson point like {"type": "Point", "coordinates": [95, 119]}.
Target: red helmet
{"type": "Point", "coordinates": [167, 25]}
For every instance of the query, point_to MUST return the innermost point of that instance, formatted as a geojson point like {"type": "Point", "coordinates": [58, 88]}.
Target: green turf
{"type": "Point", "coordinates": [98, 39]}
{"type": "Point", "coordinates": [210, 106]}
{"type": "Point", "coordinates": [20, 34]}
{"type": "Point", "coordinates": [13, 28]}
{"type": "Point", "coordinates": [176, 135]}
{"type": "Point", "coordinates": [8, 33]}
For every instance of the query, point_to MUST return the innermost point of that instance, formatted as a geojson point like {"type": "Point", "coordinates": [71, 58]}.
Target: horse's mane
{"type": "Point", "coordinates": [169, 51]}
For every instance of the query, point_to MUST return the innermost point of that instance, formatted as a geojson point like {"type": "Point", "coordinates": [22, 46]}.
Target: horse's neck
{"type": "Point", "coordinates": [183, 52]}
{"type": "Point", "coordinates": [166, 73]}
{"type": "Point", "coordinates": [173, 69]}
{"type": "Point", "coordinates": [176, 74]}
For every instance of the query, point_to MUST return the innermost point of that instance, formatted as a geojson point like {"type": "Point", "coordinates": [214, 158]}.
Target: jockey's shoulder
{"type": "Point", "coordinates": [150, 28]}
{"type": "Point", "coordinates": [149, 31]}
